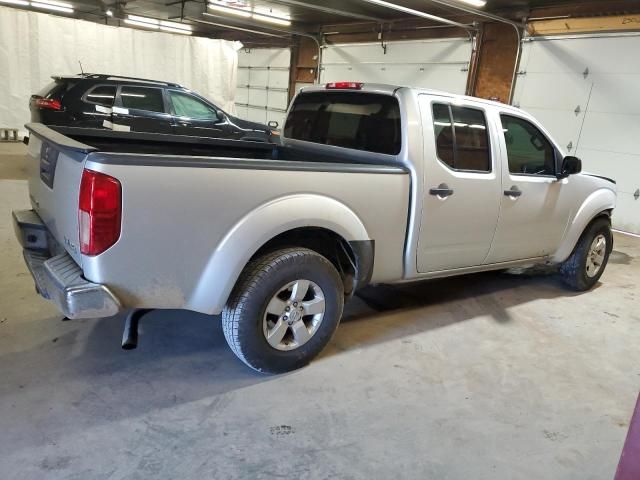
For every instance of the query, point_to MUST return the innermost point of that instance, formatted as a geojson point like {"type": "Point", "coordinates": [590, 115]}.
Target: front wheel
{"type": "Point", "coordinates": [582, 270]}
{"type": "Point", "coordinates": [283, 310]}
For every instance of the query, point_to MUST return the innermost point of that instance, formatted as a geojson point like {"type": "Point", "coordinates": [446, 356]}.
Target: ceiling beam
{"type": "Point", "coordinates": [332, 11]}
{"type": "Point", "coordinates": [417, 13]}
{"type": "Point", "coordinates": [231, 27]}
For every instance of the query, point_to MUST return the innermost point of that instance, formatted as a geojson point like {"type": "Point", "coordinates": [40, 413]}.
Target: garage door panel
{"type": "Point", "coordinates": [263, 83]}
{"type": "Point", "coordinates": [555, 57]}
{"type": "Point", "coordinates": [564, 126]}
{"type": "Point", "coordinates": [611, 132]}
{"type": "Point", "coordinates": [259, 78]}
{"type": "Point", "coordinates": [277, 99]}
{"type": "Point", "coordinates": [617, 166]}
{"type": "Point", "coordinates": [257, 115]}
{"type": "Point", "coordinates": [569, 91]}
{"type": "Point", "coordinates": [257, 97]}
{"type": "Point", "coordinates": [616, 93]}
{"type": "Point", "coordinates": [241, 111]}
{"type": "Point", "coordinates": [440, 65]}
{"type": "Point", "coordinates": [448, 78]}
{"type": "Point", "coordinates": [264, 57]}
{"type": "Point", "coordinates": [455, 50]}
{"type": "Point", "coordinates": [278, 79]}
{"type": "Point", "coordinates": [242, 95]}
{"type": "Point", "coordinates": [626, 216]}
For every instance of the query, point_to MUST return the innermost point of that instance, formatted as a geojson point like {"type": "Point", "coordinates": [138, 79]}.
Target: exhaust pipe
{"type": "Point", "coordinates": [130, 332]}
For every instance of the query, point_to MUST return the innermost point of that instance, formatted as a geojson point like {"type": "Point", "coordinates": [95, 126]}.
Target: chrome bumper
{"type": "Point", "coordinates": [59, 278]}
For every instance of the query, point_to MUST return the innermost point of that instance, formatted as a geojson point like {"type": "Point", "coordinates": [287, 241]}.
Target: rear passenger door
{"type": "Point", "coordinates": [462, 185]}
{"type": "Point", "coordinates": [141, 109]}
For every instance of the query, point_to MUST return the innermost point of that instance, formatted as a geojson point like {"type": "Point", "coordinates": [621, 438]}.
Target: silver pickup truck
{"type": "Point", "coordinates": [371, 184]}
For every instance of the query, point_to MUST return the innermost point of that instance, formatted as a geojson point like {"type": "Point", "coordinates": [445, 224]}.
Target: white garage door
{"type": "Point", "coordinates": [435, 64]}
{"type": "Point", "coordinates": [263, 84]}
{"type": "Point", "coordinates": [586, 90]}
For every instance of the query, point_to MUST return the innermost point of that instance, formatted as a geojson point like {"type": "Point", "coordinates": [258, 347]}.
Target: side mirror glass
{"type": "Point", "coordinates": [570, 166]}
{"type": "Point", "coordinates": [273, 124]}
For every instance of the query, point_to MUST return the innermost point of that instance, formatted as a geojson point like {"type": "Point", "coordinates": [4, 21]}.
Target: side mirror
{"type": "Point", "coordinates": [220, 116]}
{"type": "Point", "coordinates": [570, 166]}
{"type": "Point", "coordinates": [273, 124]}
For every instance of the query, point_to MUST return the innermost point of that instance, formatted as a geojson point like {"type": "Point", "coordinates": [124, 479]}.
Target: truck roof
{"type": "Point", "coordinates": [387, 89]}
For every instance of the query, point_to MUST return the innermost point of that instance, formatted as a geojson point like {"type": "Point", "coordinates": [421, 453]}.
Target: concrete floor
{"type": "Point", "coordinates": [490, 376]}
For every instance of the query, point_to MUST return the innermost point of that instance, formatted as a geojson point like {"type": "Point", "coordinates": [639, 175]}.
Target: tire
{"type": "Point", "coordinates": [277, 277]}
{"type": "Point", "coordinates": [576, 271]}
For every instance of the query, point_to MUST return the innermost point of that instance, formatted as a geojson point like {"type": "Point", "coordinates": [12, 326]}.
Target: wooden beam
{"type": "Point", "coordinates": [584, 25]}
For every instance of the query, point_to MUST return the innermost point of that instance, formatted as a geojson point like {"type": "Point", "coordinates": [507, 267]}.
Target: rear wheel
{"type": "Point", "coordinates": [582, 270]}
{"type": "Point", "coordinates": [284, 310]}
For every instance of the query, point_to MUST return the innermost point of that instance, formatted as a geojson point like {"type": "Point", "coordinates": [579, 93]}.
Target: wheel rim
{"type": "Point", "coordinates": [293, 315]}
{"type": "Point", "coordinates": [595, 256]}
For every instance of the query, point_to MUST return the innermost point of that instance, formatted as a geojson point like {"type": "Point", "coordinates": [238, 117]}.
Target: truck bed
{"type": "Point", "coordinates": [191, 222]}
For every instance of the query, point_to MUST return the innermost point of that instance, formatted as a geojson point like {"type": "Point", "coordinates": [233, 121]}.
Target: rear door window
{"type": "Point", "coordinates": [360, 121]}
{"type": "Point", "coordinates": [142, 98]}
{"type": "Point", "coordinates": [462, 140]}
{"type": "Point", "coordinates": [101, 95]}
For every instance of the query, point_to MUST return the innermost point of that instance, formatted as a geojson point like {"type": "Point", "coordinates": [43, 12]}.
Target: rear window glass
{"type": "Point", "coordinates": [56, 89]}
{"type": "Point", "coordinates": [361, 121]}
{"type": "Point", "coordinates": [142, 98]}
{"type": "Point", "coordinates": [102, 95]}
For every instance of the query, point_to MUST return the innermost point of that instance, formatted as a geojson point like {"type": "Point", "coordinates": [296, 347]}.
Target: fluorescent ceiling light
{"type": "Point", "coordinates": [175, 30]}
{"type": "Point", "coordinates": [231, 11]}
{"type": "Point", "coordinates": [22, 3]}
{"type": "Point", "coordinates": [261, 17]}
{"type": "Point", "coordinates": [175, 25]}
{"type": "Point", "coordinates": [475, 3]}
{"type": "Point", "coordinates": [164, 25]}
{"type": "Point", "coordinates": [271, 19]}
{"type": "Point", "coordinates": [57, 6]}
{"type": "Point", "coordinates": [141, 24]}
{"type": "Point", "coordinates": [136, 18]}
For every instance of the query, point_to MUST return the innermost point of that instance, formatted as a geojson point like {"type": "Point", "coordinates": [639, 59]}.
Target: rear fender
{"type": "Point", "coordinates": [598, 202]}
{"type": "Point", "coordinates": [258, 227]}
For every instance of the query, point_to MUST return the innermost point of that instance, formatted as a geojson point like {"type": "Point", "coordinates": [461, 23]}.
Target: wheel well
{"type": "Point", "coordinates": [325, 242]}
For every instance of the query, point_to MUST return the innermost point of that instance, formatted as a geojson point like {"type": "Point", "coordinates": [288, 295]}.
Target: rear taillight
{"type": "Point", "coordinates": [344, 86]}
{"type": "Point", "coordinates": [48, 104]}
{"type": "Point", "coordinates": [100, 210]}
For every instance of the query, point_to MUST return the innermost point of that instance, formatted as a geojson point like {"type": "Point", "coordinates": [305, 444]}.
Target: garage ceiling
{"type": "Point", "coordinates": [309, 16]}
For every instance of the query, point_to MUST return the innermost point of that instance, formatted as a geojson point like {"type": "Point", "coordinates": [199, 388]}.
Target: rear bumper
{"type": "Point", "coordinates": [59, 278]}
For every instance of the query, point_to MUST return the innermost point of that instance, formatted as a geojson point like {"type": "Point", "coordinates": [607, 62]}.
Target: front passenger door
{"type": "Point", "coordinates": [535, 207]}
{"type": "Point", "coordinates": [194, 117]}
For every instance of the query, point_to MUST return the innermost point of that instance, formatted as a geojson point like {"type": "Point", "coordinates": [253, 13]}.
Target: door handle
{"type": "Point", "coordinates": [514, 192]}
{"type": "Point", "coordinates": [442, 191]}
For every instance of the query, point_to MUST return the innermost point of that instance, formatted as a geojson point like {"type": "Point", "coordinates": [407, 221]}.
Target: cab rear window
{"type": "Point", "coordinates": [360, 121]}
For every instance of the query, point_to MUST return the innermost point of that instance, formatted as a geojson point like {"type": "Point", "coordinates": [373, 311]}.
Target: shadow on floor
{"type": "Point", "coordinates": [183, 356]}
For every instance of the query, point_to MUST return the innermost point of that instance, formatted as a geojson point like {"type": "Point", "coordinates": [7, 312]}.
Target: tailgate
{"type": "Point", "coordinates": [54, 167]}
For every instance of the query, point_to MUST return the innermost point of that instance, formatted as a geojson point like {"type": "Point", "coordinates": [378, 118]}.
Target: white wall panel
{"type": "Point", "coordinates": [264, 74]}
{"type": "Point", "coordinates": [598, 74]}
{"type": "Point", "coordinates": [34, 46]}
{"type": "Point", "coordinates": [435, 64]}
